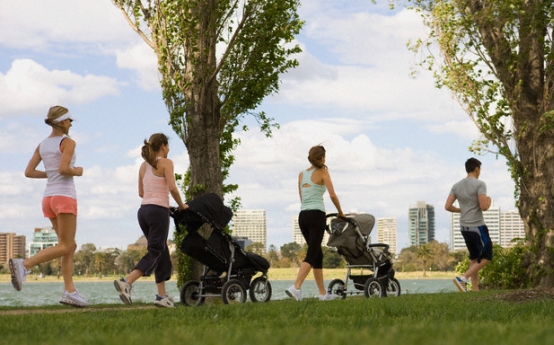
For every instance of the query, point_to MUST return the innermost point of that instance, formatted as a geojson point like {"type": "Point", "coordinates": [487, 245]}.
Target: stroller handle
{"type": "Point", "coordinates": [376, 245]}
{"type": "Point", "coordinates": [332, 215]}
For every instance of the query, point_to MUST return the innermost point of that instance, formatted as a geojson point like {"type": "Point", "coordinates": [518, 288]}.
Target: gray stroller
{"type": "Point", "coordinates": [372, 263]}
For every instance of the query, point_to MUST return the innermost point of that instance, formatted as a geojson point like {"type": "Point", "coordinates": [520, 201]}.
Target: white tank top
{"type": "Point", "coordinates": [51, 155]}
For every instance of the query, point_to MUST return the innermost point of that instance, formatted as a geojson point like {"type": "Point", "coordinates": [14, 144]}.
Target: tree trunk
{"type": "Point", "coordinates": [203, 105]}
{"type": "Point", "coordinates": [536, 199]}
{"type": "Point", "coordinates": [203, 113]}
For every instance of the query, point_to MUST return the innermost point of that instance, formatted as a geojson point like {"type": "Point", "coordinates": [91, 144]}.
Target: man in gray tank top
{"type": "Point", "coordinates": [471, 194]}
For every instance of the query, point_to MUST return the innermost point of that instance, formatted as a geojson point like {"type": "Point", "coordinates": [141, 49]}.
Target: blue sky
{"type": "Point", "coordinates": [391, 139]}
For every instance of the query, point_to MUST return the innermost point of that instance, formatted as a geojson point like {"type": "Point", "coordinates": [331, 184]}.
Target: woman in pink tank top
{"type": "Point", "coordinates": [156, 182]}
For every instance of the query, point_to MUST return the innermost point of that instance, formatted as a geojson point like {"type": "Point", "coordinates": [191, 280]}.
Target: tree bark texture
{"type": "Point", "coordinates": [528, 88]}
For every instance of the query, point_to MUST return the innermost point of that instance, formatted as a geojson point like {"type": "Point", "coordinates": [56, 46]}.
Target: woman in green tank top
{"type": "Point", "coordinates": [312, 184]}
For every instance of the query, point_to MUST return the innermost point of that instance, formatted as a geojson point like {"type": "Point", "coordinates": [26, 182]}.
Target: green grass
{"type": "Point", "coordinates": [448, 318]}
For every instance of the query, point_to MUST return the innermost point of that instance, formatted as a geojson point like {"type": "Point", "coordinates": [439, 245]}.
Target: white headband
{"type": "Point", "coordinates": [63, 117]}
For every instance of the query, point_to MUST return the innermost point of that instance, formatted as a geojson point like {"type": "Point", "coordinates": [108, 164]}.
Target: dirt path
{"type": "Point", "coordinates": [90, 309]}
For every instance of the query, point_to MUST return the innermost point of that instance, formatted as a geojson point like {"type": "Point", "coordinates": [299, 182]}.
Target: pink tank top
{"type": "Point", "coordinates": [155, 188]}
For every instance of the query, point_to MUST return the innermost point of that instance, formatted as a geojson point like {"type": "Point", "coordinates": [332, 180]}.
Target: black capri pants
{"type": "Point", "coordinates": [312, 225]}
{"type": "Point", "coordinates": [154, 222]}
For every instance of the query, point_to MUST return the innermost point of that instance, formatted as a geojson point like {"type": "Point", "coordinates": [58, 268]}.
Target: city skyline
{"type": "Point", "coordinates": [503, 227]}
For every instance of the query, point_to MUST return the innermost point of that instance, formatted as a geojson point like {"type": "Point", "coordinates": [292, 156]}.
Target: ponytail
{"type": "Point", "coordinates": [152, 147]}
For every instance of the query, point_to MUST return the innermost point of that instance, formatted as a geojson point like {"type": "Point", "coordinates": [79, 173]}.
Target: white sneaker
{"type": "Point", "coordinates": [18, 273]}
{"type": "Point", "coordinates": [74, 299]}
{"type": "Point", "coordinates": [294, 293]}
{"type": "Point", "coordinates": [164, 302]}
{"type": "Point", "coordinates": [124, 290]}
{"type": "Point", "coordinates": [327, 297]}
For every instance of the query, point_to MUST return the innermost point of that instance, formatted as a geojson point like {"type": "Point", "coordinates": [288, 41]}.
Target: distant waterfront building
{"type": "Point", "coordinates": [421, 223]}
{"type": "Point", "coordinates": [243, 242]}
{"type": "Point", "coordinates": [252, 225]}
{"type": "Point", "coordinates": [511, 226]}
{"type": "Point", "coordinates": [296, 233]}
{"type": "Point", "coordinates": [43, 238]}
{"type": "Point", "coordinates": [492, 220]}
{"type": "Point", "coordinates": [387, 232]}
{"type": "Point", "coordinates": [11, 246]}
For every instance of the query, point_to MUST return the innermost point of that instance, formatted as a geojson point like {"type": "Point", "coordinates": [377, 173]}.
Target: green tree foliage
{"type": "Point", "coordinates": [272, 256]}
{"type": "Point", "coordinates": [331, 259]}
{"type": "Point", "coordinates": [256, 248]}
{"type": "Point", "coordinates": [290, 251]}
{"type": "Point", "coordinates": [84, 259]}
{"type": "Point", "coordinates": [436, 256]}
{"type": "Point", "coordinates": [506, 271]}
{"type": "Point", "coordinates": [497, 58]}
{"type": "Point", "coordinates": [424, 254]}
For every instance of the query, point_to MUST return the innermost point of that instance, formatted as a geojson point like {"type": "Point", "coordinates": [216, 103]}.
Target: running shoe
{"type": "Point", "coordinates": [294, 293]}
{"type": "Point", "coordinates": [124, 290]}
{"type": "Point", "coordinates": [164, 302]}
{"type": "Point", "coordinates": [327, 297]}
{"type": "Point", "coordinates": [460, 284]}
{"type": "Point", "coordinates": [74, 299]}
{"type": "Point", "coordinates": [18, 273]}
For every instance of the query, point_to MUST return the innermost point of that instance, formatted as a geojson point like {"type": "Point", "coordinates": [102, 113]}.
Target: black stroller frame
{"type": "Point", "coordinates": [228, 269]}
{"type": "Point", "coordinates": [375, 277]}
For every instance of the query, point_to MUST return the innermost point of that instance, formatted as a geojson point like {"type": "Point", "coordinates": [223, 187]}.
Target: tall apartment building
{"type": "Point", "coordinates": [511, 226]}
{"type": "Point", "coordinates": [492, 220]}
{"type": "Point", "coordinates": [42, 238]}
{"type": "Point", "coordinates": [252, 225]}
{"type": "Point", "coordinates": [421, 223]}
{"type": "Point", "coordinates": [386, 232]}
{"type": "Point", "coordinates": [297, 234]}
{"type": "Point", "coordinates": [11, 246]}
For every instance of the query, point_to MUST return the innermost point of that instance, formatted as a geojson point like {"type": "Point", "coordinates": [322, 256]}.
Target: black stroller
{"type": "Point", "coordinates": [351, 238]}
{"type": "Point", "coordinates": [228, 269]}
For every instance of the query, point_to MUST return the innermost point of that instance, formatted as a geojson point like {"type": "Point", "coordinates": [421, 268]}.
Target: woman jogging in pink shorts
{"type": "Point", "coordinates": [59, 204]}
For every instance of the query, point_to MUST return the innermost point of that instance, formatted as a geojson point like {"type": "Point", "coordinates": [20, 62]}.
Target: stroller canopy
{"type": "Point", "coordinates": [364, 221]}
{"type": "Point", "coordinates": [207, 207]}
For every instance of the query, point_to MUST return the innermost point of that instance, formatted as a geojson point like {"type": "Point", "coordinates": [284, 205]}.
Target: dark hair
{"type": "Point", "coordinates": [472, 164]}
{"type": "Point", "coordinates": [316, 155]}
{"type": "Point", "coordinates": [152, 147]}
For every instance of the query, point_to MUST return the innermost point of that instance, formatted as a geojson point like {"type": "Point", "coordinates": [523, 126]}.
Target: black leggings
{"type": "Point", "coordinates": [312, 225]}
{"type": "Point", "coordinates": [154, 222]}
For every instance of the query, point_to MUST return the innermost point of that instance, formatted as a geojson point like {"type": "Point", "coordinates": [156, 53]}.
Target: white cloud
{"type": "Point", "coordinates": [28, 87]}
{"type": "Point", "coordinates": [43, 25]}
{"type": "Point", "coordinates": [142, 59]}
{"type": "Point", "coordinates": [368, 71]}
{"type": "Point", "coordinates": [463, 129]}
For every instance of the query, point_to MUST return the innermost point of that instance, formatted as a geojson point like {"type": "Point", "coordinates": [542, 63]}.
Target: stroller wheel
{"type": "Point", "coordinates": [373, 288]}
{"type": "Point", "coordinates": [233, 292]}
{"type": "Point", "coordinates": [393, 288]}
{"type": "Point", "coordinates": [336, 287]}
{"type": "Point", "coordinates": [260, 290]}
{"type": "Point", "coordinates": [190, 294]}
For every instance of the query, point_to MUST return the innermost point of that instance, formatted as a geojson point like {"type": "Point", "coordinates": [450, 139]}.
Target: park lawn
{"type": "Point", "coordinates": [445, 318]}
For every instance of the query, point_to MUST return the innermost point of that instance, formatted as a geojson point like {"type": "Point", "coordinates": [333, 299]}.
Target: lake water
{"type": "Point", "coordinates": [49, 293]}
